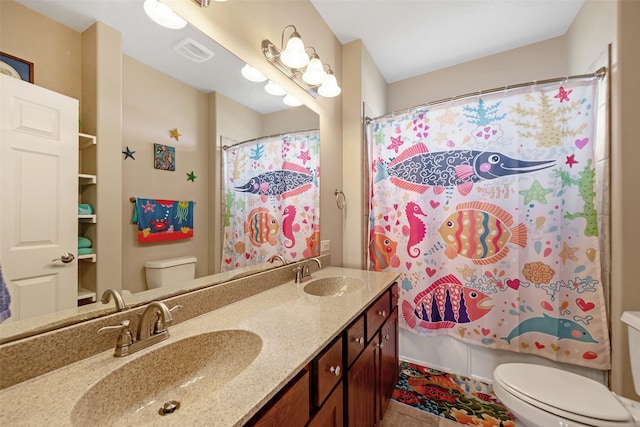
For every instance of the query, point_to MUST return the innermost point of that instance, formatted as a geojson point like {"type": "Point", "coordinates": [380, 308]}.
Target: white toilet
{"type": "Point", "coordinates": [169, 272]}
{"type": "Point", "coordinates": [540, 396]}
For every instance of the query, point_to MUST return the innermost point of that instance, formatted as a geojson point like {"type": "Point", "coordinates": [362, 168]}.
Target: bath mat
{"type": "Point", "coordinates": [454, 397]}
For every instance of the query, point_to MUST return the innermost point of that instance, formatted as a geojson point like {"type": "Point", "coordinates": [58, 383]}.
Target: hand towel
{"type": "Point", "coordinates": [163, 220]}
{"type": "Point", "coordinates": [83, 242]}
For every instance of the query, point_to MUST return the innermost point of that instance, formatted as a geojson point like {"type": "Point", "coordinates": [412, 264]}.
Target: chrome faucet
{"type": "Point", "coordinates": [280, 257]}
{"type": "Point", "coordinates": [302, 271]}
{"type": "Point", "coordinates": [152, 328]}
{"type": "Point", "coordinates": [117, 298]}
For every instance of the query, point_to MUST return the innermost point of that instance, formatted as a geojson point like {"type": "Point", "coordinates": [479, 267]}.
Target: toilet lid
{"type": "Point", "coordinates": [567, 394]}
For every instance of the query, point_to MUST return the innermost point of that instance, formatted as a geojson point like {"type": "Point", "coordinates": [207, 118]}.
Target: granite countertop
{"type": "Point", "coordinates": [292, 325]}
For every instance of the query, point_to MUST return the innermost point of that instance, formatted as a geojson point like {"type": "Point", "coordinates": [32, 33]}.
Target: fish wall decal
{"type": "Point", "coordinates": [416, 169]}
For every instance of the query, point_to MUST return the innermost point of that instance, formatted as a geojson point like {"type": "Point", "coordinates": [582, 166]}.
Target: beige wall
{"type": "Point", "coordinates": [153, 103]}
{"type": "Point", "coordinates": [56, 56]}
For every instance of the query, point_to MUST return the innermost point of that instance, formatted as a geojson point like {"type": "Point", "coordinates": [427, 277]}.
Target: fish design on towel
{"type": "Point", "coordinates": [289, 181]}
{"type": "Point", "coordinates": [556, 327]}
{"type": "Point", "coordinates": [481, 231]}
{"type": "Point", "coordinates": [417, 169]}
{"type": "Point", "coordinates": [262, 227]}
{"type": "Point", "coordinates": [444, 304]}
{"type": "Point", "coordinates": [382, 250]}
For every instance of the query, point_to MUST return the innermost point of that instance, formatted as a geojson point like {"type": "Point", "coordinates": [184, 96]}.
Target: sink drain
{"type": "Point", "coordinates": [169, 407]}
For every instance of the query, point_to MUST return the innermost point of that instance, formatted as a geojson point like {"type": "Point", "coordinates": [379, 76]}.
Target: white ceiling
{"type": "Point", "coordinates": [411, 37]}
{"type": "Point", "coordinates": [405, 37]}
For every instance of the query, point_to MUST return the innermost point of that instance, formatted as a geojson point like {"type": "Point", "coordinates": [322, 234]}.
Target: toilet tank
{"type": "Point", "coordinates": [169, 272]}
{"type": "Point", "coordinates": [632, 319]}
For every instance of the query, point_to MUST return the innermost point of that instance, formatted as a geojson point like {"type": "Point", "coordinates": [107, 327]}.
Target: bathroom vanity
{"type": "Point", "coordinates": [311, 352]}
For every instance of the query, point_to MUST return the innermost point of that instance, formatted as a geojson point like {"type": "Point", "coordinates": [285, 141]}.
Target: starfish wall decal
{"type": "Point", "coordinates": [128, 153]}
{"type": "Point", "coordinates": [191, 176]}
{"type": "Point", "coordinates": [175, 134]}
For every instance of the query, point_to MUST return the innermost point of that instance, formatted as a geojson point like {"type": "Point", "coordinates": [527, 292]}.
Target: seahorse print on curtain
{"type": "Point", "coordinates": [272, 200]}
{"type": "Point", "coordinates": [486, 208]}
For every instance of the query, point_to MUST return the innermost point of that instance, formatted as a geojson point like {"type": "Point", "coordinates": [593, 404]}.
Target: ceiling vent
{"type": "Point", "coordinates": [192, 50]}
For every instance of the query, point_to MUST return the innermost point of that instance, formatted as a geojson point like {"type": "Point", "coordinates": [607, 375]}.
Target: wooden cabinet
{"type": "Point", "coordinates": [330, 414]}
{"type": "Point", "coordinates": [388, 361]}
{"type": "Point", "coordinates": [362, 387]}
{"type": "Point", "coordinates": [359, 369]}
{"type": "Point", "coordinates": [289, 408]}
{"type": "Point", "coordinates": [373, 376]}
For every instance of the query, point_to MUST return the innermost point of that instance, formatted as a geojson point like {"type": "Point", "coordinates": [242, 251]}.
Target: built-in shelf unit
{"type": "Point", "coordinates": [86, 194]}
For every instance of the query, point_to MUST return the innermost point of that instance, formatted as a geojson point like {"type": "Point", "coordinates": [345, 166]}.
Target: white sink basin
{"type": "Point", "coordinates": [183, 371]}
{"type": "Point", "coordinates": [333, 286]}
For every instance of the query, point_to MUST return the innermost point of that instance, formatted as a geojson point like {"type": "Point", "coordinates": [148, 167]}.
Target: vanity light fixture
{"type": "Point", "coordinates": [273, 89]}
{"type": "Point", "coordinates": [306, 71]}
{"type": "Point", "coordinates": [162, 14]}
{"type": "Point", "coordinates": [294, 55]}
{"type": "Point", "coordinates": [251, 74]}
{"type": "Point", "coordinates": [329, 87]}
{"type": "Point", "coordinates": [291, 101]}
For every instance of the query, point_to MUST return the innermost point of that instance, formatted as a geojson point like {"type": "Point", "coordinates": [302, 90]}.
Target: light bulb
{"type": "Point", "coordinates": [329, 87]}
{"type": "Point", "coordinates": [291, 101]}
{"type": "Point", "coordinates": [315, 74]}
{"type": "Point", "coordinates": [274, 89]}
{"type": "Point", "coordinates": [251, 74]}
{"type": "Point", "coordinates": [294, 55]}
{"type": "Point", "coordinates": [162, 14]}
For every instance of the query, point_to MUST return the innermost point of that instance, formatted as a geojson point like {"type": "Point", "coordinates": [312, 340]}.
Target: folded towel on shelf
{"type": "Point", "coordinates": [162, 220]}
{"type": "Point", "coordinates": [85, 209]}
{"type": "Point", "coordinates": [5, 300]}
{"type": "Point", "coordinates": [83, 242]}
{"type": "Point", "coordinates": [85, 251]}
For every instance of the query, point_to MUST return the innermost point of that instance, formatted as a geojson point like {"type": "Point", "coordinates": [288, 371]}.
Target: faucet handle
{"type": "Point", "coordinates": [125, 339]}
{"type": "Point", "coordinates": [159, 326]}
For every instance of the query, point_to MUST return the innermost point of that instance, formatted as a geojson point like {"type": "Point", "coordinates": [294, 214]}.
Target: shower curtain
{"type": "Point", "coordinates": [486, 209]}
{"type": "Point", "coordinates": [271, 199]}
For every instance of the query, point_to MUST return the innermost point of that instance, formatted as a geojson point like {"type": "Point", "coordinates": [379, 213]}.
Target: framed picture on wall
{"type": "Point", "coordinates": [15, 67]}
{"type": "Point", "coordinates": [164, 157]}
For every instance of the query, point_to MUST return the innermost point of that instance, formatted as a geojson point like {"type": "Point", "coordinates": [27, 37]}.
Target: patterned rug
{"type": "Point", "coordinates": [450, 396]}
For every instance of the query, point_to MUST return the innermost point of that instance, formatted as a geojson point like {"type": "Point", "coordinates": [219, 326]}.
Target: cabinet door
{"type": "Point", "coordinates": [328, 371]}
{"type": "Point", "coordinates": [355, 340]}
{"type": "Point", "coordinates": [331, 413]}
{"type": "Point", "coordinates": [362, 386]}
{"type": "Point", "coordinates": [289, 408]}
{"type": "Point", "coordinates": [388, 360]}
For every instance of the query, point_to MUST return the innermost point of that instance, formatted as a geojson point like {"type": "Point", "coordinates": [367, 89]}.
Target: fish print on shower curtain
{"type": "Point", "coordinates": [271, 200]}
{"type": "Point", "coordinates": [486, 208]}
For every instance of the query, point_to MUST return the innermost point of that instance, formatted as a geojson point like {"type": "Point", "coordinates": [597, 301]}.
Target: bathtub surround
{"type": "Point", "coordinates": [30, 357]}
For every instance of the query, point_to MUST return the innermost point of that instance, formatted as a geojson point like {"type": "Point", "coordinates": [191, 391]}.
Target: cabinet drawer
{"type": "Point", "coordinates": [356, 340]}
{"type": "Point", "coordinates": [327, 370]}
{"type": "Point", "coordinates": [377, 313]}
{"type": "Point", "coordinates": [290, 407]}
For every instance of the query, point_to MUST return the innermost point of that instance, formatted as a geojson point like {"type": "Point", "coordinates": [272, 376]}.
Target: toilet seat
{"type": "Point", "coordinates": [565, 394]}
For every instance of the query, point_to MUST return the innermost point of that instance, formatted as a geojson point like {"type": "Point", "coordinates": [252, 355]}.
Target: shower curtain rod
{"type": "Point", "coordinates": [598, 74]}
{"type": "Point", "coordinates": [226, 147]}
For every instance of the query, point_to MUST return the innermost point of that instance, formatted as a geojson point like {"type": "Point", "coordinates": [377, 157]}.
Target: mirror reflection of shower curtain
{"type": "Point", "coordinates": [271, 191]}
{"type": "Point", "coordinates": [486, 208]}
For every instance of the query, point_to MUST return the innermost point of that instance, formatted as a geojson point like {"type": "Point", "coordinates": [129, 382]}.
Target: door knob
{"type": "Point", "coordinates": [66, 257]}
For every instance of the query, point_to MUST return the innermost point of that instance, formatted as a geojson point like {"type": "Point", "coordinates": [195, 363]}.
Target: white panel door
{"type": "Point", "coordinates": [38, 197]}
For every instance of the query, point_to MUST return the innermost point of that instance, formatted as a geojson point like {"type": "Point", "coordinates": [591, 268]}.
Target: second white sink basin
{"type": "Point", "coordinates": [183, 371]}
{"type": "Point", "coordinates": [333, 286]}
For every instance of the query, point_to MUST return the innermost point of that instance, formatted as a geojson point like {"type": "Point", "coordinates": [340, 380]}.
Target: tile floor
{"type": "Point", "coordinates": [399, 415]}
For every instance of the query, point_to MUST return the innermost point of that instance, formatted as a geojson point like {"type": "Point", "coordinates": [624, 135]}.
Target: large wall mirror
{"type": "Point", "coordinates": [159, 86]}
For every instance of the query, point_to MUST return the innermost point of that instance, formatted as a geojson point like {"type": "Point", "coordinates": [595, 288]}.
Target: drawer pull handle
{"type": "Point", "coordinates": [359, 340]}
{"type": "Point", "coordinates": [380, 345]}
{"type": "Point", "coordinates": [382, 313]}
{"type": "Point", "coordinates": [335, 371]}
{"type": "Point", "coordinates": [386, 337]}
